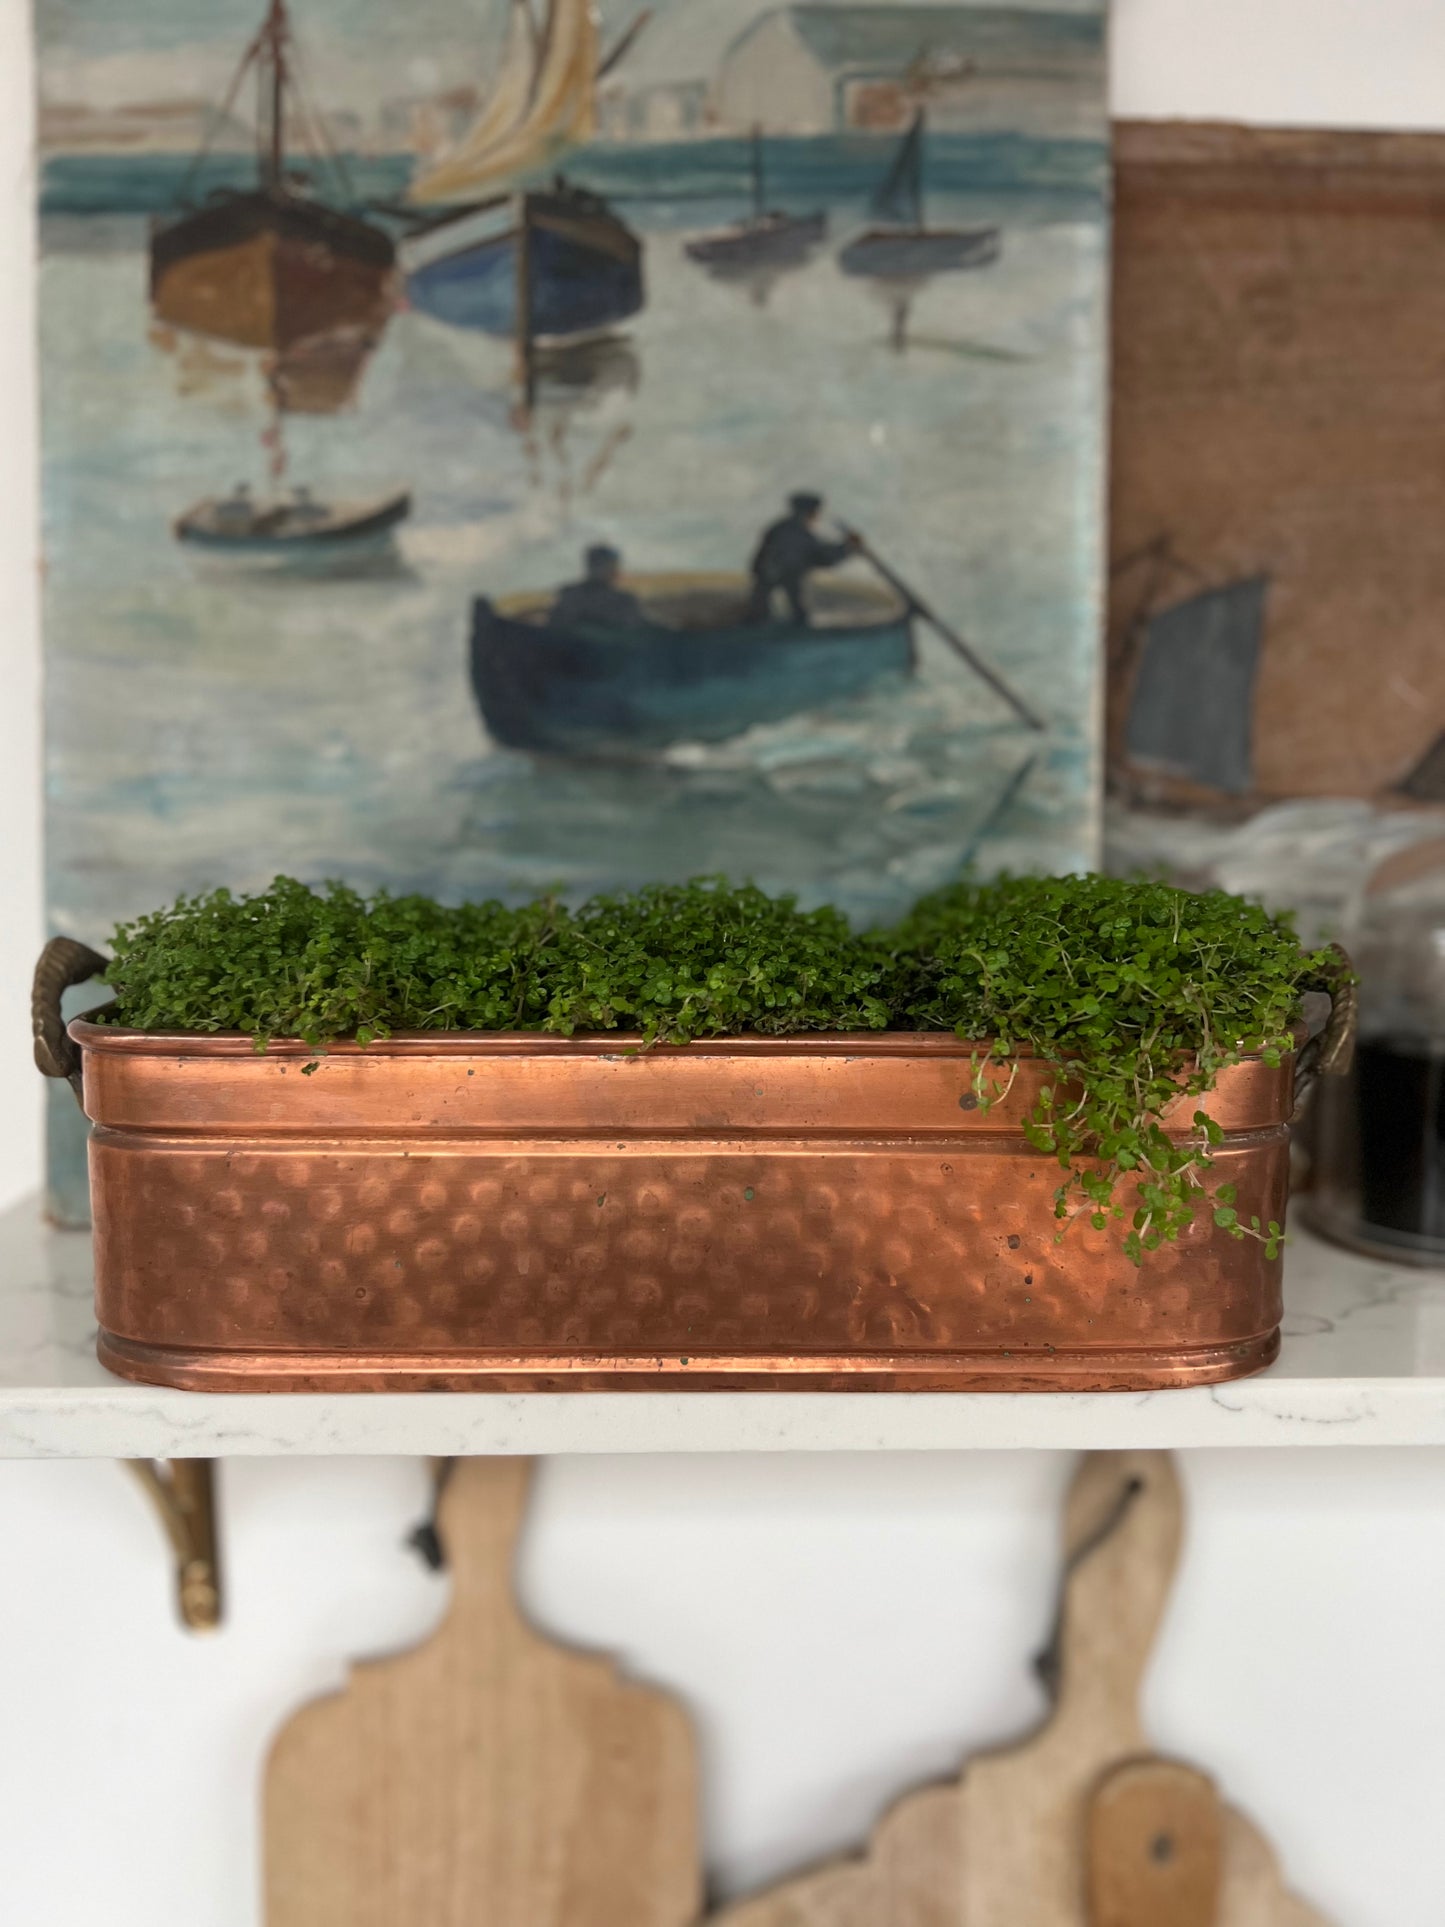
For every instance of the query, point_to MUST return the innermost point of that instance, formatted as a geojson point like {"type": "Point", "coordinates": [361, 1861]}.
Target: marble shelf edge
{"type": "Point", "coordinates": [1363, 1364]}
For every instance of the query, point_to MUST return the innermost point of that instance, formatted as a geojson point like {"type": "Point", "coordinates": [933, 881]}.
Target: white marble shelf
{"type": "Point", "coordinates": [1363, 1364]}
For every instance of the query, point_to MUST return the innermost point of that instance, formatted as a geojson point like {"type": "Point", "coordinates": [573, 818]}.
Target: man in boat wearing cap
{"type": "Point", "coordinates": [596, 602]}
{"type": "Point", "coordinates": [787, 555]}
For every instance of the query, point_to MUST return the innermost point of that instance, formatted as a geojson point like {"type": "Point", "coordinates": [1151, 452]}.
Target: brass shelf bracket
{"type": "Point", "coordinates": [184, 1494]}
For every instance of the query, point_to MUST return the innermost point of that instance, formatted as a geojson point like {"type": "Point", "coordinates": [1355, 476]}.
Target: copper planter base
{"type": "Point", "coordinates": [1121, 1371]}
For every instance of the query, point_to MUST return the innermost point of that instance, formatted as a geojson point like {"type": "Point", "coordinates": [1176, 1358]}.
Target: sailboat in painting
{"type": "Point", "coordinates": [543, 265]}
{"type": "Point", "coordinates": [902, 247]}
{"type": "Point", "coordinates": [273, 266]}
{"type": "Point", "coordinates": [1182, 676]}
{"type": "Point", "coordinates": [765, 242]}
{"type": "Point", "coordinates": [1191, 704]}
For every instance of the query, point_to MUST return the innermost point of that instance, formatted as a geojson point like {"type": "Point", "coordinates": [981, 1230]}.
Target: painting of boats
{"type": "Point", "coordinates": [902, 247]}
{"type": "Point", "coordinates": [766, 242]}
{"type": "Point", "coordinates": [272, 266]}
{"type": "Point", "coordinates": [542, 266]}
{"type": "Point", "coordinates": [696, 669]}
{"type": "Point", "coordinates": [511, 285]}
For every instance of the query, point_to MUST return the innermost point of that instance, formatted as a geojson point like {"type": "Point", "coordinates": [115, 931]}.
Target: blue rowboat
{"type": "Point", "coordinates": [550, 266]}
{"type": "Point", "coordinates": [693, 670]}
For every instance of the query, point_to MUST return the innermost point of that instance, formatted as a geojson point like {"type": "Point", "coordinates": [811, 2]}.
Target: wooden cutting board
{"type": "Point", "coordinates": [1079, 1825]}
{"type": "Point", "coordinates": [493, 1778]}
{"type": "Point", "coordinates": [488, 1778]}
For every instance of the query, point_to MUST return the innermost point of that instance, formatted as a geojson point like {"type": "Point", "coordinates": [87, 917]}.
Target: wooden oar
{"type": "Point", "coordinates": [950, 636]}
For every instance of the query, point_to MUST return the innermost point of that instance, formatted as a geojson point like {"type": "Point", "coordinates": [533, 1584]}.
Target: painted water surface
{"type": "Point", "coordinates": [269, 534]}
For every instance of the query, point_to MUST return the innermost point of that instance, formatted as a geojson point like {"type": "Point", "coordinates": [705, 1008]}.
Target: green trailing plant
{"type": "Point", "coordinates": [1136, 993]}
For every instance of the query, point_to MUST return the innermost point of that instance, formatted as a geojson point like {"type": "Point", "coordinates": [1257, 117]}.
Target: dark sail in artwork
{"type": "Point", "coordinates": [1191, 715]}
{"type": "Point", "coordinates": [900, 198]}
{"type": "Point", "coordinates": [902, 247]}
{"type": "Point", "coordinates": [1425, 783]}
{"type": "Point", "coordinates": [274, 266]}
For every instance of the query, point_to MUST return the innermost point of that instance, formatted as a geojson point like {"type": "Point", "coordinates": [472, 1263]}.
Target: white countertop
{"type": "Point", "coordinates": [1363, 1364]}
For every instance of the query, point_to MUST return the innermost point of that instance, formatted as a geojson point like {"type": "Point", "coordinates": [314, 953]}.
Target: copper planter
{"type": "Point", "coordinates": [521, 1212]}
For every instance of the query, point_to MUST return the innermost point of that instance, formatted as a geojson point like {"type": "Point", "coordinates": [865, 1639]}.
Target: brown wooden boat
{"type": "Point", "coordinates": [272, 266]}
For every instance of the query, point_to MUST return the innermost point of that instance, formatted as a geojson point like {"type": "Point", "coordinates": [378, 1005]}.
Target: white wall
{"type": "Point", "coordinates": [1303, 63]}
{"type": "Point", "coordinates": [840, 1625]}
{"type": "Point", "coordinates": [20, 892]}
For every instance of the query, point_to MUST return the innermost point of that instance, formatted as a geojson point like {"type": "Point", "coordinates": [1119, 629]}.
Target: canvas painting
{"type": "Point", "coordinates": [495, 446]}
{"type": "Point", "coordinates": [1276, 687]}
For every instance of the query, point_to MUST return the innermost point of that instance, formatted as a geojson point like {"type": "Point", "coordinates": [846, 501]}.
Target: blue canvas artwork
{"type": "Point", "coordinates": [501, 445]}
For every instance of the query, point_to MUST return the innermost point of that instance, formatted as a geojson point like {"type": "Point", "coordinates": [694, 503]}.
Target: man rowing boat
{"type": "Point", "coordinates": [788, 554]}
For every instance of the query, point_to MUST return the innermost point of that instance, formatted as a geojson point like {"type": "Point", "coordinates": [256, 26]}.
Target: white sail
{"type": "Point", "coordinates": [558, 110]}
{"type": "Point", "coordinates": [506, 105]}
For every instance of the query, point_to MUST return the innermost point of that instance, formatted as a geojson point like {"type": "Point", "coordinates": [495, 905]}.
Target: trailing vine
{"type": "Point", "coordinates": [1139, 995]}
{"type": "Point", "coordinates": [1136, 993]}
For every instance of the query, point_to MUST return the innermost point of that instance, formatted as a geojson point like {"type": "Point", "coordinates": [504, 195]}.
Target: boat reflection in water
{"type": "Point", "coordinates": [204, 368]}
{"type": "Point", "coordinates": [901, 254]}
{"type": "Point", "coordinates": [321, 376]}
{"type": "Point", "coordinates": [694, 670]}
{"type": "Point", "coordinates": [580, 374]}
{"type": "Point", "coordinates": [578, 416]}
{"type": "Point", "coordinates": [755, 252]}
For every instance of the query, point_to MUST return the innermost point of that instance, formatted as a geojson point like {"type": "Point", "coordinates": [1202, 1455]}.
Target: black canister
{"type": "Point", "coordinates": [1379, 1163]}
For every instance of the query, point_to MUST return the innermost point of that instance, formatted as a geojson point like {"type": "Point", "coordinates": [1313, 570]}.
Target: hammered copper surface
{"type": "Point", "coordinates": [523, 1211]}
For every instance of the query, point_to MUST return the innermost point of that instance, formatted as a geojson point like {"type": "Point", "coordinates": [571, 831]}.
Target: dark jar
{"type": "Point", "coordinates": [1379, 1160]}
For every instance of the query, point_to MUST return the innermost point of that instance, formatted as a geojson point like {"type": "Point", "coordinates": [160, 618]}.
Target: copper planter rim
{"type": "Point", "coordinates": [510, 1043]}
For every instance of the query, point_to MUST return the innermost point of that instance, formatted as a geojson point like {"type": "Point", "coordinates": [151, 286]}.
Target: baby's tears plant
{"type": "Point", "coordinates": [1137, 994]}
